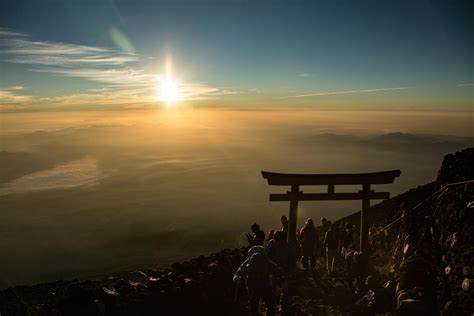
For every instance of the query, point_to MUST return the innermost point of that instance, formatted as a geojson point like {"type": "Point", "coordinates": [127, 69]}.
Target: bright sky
{"type": "Point", "coordinates": [110, 54]}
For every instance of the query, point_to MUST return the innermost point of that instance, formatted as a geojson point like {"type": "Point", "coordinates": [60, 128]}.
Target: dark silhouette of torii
{"type": "Point", "coordinates": [330, 180]}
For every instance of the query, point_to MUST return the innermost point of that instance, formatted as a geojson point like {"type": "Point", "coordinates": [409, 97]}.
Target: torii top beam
{"type": "Point", "coordinates": [384, 177]}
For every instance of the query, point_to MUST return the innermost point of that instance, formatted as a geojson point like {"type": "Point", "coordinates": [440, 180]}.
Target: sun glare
{"type": "Point", "coordinates": [168, 89]}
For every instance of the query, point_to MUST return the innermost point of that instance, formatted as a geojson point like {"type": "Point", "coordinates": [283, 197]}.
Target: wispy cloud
{"type": "Point", "coordinates": [344, 92]}
{"type": "Point", "coordinates": [465, 84]}
{"type": "Point", "coordinates": [11, 99]}
{"type": "Point", "coordinates": [118, 74]}
{"type": "Point", "coordinates": [200, 91]}
{"type": "Point", "coordinates": [4, 32]}
{"type": "Point", "coordinates": [10, 96]}
{"type": "Point", "coordinates": [13, 88]}
{"type": "Point", "coordinates": [115, 76]}
{"type": "Point", "coordinates": [305, 75]}
{"type": "Point", "coordinates": [20, 49]}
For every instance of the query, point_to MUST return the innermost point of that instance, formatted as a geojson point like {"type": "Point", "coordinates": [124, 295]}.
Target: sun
{"type": "Point", "coordinates": [168, 89]}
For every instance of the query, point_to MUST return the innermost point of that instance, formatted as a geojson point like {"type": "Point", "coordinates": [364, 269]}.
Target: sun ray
{"type": "Point", "coordinates": [168, 89]}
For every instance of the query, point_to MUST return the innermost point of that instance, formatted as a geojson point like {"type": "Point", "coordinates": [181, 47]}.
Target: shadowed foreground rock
{"type": "Point", "coordinates": [199, 286]}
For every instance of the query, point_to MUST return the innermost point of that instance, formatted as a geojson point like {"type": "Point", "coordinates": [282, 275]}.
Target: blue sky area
{"type": "Point", "coordinates": [409, 55]}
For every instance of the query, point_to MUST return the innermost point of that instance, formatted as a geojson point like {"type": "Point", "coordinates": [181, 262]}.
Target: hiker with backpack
{"type": "Point", "coordinates": [257, 272]}
{"type": "Point", "coordinates": [331, 244]}
{"type": "Point", "coordinates": [278, 251]}
{"type": "Point", "coordinates": [308, 238]}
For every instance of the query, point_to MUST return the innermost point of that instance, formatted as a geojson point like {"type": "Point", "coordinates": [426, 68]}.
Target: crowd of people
{"type": "Point", "coordinates": [269, 261]}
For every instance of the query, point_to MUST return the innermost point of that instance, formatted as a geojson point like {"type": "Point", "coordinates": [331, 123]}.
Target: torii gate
{"type": "Point", "coordinates": [331, 180]}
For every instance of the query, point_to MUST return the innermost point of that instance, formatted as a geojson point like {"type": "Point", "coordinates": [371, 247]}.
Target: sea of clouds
{"type": "Point", "coordinates": [91, 193]}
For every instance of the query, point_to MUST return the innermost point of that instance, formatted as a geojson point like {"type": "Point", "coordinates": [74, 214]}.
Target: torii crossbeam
{"type": "Point", "coordinates": [330, 180]}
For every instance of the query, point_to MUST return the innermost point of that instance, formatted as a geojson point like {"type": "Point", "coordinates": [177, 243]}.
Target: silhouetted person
{"type": "Point", "coordinates": [256, 271]}
{"type": "Point", "coordinates": [258, 238]}
{"type": "Point", "coordinates": [331, 245]}
{"type": "Point", "coordinates": [347, 238]}
{"type": "Point", "coordinates": [279, 252]}
{"type": "Point", "coordinates": [308, 238]}
{"type": "Point", "coordinates": [340, 236]}
{"type": "Point", "coordinates": [324, 229]}
{"type": "Point", "coordinates": [284, 226]}
{"type": "Point", "coordinates": [355, 245]}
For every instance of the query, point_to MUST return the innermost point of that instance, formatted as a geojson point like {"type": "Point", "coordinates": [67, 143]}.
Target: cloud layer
{"type": "Point", "coordinates": [166, 173]}
{"type": "Point", "coordinates": [344, 92]}
{"type": "Point", "coordinates": [77, 173]}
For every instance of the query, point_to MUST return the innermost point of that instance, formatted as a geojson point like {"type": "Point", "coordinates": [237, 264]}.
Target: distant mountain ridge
{"type": "Point", "coordinates": [396, 139]}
